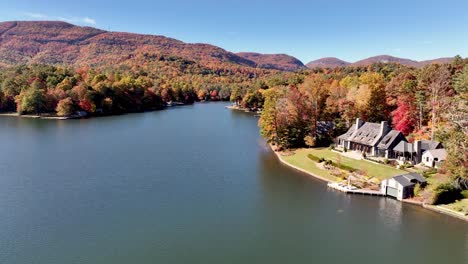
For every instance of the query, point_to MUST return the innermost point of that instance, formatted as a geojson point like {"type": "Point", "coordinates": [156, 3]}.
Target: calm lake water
{"type": "Point", "coordinates": [194, 184]}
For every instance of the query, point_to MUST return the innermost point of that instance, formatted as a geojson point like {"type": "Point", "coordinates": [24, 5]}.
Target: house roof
{"type": "Point", "coordinates": [349, 134]}
{"type": "Point", "coordinates": [404, 146]}
{"type": "Point", "coordinates": [324, 127]}
{"type": "Point", "coordinates": [429, 144]}
{"type": "Point", "coordinates": [367, 134]}
{"type": "Point", "coordinates": [390, 138]}
{"type": "Point", "coordinates": [409, 179]}
{"type": "Point", "coordinates": [441, 154]}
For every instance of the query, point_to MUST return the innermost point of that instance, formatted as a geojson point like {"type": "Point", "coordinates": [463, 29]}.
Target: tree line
{"type": "Point", "coordinates": [423, 103]}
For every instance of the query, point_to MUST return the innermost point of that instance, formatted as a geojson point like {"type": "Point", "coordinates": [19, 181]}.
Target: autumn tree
{"type": "Point", "coordinates": [404, 116]}
{"type": "Point", "coordinates": [65, 107]}
{"type": "Point", "coordinates": [30, 101]}
{"type": "Point", "coordinates": [439, 87]}
{"type": "Point", "coordinates": [272, 120]}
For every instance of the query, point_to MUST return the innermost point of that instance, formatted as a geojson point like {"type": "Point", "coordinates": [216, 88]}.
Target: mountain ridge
{"type": "Point", "coordinates": [332, 62]}
{"type": "Point", "coordinates": [62, 43]}
{"type": "Point", "coordinates": [57, 42]}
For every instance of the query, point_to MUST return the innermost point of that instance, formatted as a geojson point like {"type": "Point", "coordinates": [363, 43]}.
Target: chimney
{"type": "Point", "coordinates": [384, 128]}
{"type": "Point", "coordinates": [359, 123]}
{"type": "Point", "coordinates": [417, 149]}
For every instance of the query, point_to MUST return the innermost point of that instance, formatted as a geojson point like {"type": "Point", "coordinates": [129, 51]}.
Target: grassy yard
{"type": "Point", "coordinates": [300, 159]}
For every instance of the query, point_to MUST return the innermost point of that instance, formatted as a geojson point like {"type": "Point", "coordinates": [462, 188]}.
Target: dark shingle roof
{"type": "Point", "coordinates": [347, 135]}
{"type": "Point", "coordinates": [324, 127]}
{"type": "Point", "coordinates": [428, 144]}
{"type": "Point", "coordinates": [409, 179]}
{"type": "Point", "coordinates": [367, 134]}
{"type": "Point", "coordinates": [387, 141]}
{"type": "Point", "coordinates": [404, 146]}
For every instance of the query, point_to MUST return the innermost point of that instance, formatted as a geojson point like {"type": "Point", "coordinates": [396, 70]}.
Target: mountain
{"type": "Point", "coordinates": [61, 43]}
{"type": "Point", "coordinates": [334, 62]}
{"type": "Point", "coordinates": [386, 59]}
{"type": "Point", "coordinates": [328, 62]}
{"type": "Point", "coordinates": [281, 62]}
{"type": "Point", "coordinates": [436, 61]}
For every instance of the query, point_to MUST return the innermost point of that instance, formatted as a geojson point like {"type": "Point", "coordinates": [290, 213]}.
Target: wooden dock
{"type": "Point", "coordinates": [346, 189]}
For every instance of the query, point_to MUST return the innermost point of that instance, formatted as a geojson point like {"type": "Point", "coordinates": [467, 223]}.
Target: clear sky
{"type": "Point", "coordinates": [347, 29]}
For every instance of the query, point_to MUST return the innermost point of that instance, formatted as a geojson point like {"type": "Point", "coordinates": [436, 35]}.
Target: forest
{"type": "Point", "coordinates": [423, 103]}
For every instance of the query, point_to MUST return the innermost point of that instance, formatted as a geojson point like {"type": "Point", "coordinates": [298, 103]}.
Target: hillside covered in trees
{"type": "Point", "coordinates": [61, 43]}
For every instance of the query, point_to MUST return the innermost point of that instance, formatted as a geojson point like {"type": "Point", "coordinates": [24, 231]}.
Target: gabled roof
{"type": "Point", "coordinates": [409, 179]}
{"type": "Point", "coordinates": [441, 154]}
{"type": "Point", "coordinates": [349, 134]}
{"type": "Point", "coordinates": [404, 146]}
{"type": "Point", "coordinates": [389, 139]}
{"type": "Point", "coordinates": [428, 144]}
{"type": "Point", "coordinates": [367, 134]}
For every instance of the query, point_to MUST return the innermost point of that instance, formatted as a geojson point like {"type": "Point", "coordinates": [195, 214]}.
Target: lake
{"type": "Point", "coordinates": [193, 184]}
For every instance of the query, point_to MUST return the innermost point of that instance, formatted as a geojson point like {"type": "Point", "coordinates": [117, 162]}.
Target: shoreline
{"type": "Point", "coordinates": [38, 116]}
{"type": "Point", "coordinates": [434, 208]}
{"type": "Point", "coordinates": [278, 155]}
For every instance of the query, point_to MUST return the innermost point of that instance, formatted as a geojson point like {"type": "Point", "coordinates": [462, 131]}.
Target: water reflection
{"type": "Point", "coordinates": [390, 213]}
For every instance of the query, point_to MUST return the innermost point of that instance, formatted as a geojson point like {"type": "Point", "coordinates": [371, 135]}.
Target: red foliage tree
{"type": "Point", "coordinates": [404, 116]}
{"type": "Point", "coordinates": [86, 105]}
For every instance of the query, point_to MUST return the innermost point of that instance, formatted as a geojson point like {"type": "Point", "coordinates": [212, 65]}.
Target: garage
{"type": "Point", "coordinates": [402, 186]}
{"type": "Point", "coordinates": [393, 192]}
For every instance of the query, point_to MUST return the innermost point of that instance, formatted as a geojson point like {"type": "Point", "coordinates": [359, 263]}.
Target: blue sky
{"type": "Point", "coordinates": [347, 29]}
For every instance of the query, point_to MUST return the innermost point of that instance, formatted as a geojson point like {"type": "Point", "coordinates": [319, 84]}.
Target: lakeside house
{"type": "Point", "coordinates": [380, 140]}
{"type": "Point", "coordinates": [402, 186]}
{"type": "Point", "coordinates": [374, 139]}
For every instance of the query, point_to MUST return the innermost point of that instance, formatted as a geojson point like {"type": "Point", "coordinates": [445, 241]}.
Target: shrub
{"type": "Point", "coordinates": [328, 162]}
{"type": "Point", "coordinates": [446, 193]}
{"type": "Point", "coordinates": [465, 194]}
{"type": "Point", "coordinates": [345, 149]}
{"type": "Point", "coordinates": [321, 159]}
{"type": "Point", "coordinates": [364, 155]}
{"type": "Point", "coordinates": [417, 189]}
{"type": "Point", "coordinates": [314, 158]}
{"type": "Point", "coordinates": [344, 167]}
{"type": "Point", "coordinates": [386, 161]}
{"type": "Point", "coordinates": [331, 147]}
{"type": "Point", "coordinates": [429, 172]}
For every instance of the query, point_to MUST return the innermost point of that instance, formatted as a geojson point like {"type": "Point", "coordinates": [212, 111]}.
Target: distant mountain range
{"type": "Point", "coordinates": [61, 43]}
{"type": "Point", "coordinates": [335, 62]}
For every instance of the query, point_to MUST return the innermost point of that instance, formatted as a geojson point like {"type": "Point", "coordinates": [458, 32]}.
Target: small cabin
{"type": "Point", "coordinates": [433, 158]}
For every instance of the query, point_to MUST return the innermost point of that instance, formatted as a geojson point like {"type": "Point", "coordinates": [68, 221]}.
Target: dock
{"type": "Point", "coordinates": [351, 190]}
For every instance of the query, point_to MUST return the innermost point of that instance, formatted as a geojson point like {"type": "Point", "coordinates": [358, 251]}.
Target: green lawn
{"type": "Point", "coordinates": [301, 160]}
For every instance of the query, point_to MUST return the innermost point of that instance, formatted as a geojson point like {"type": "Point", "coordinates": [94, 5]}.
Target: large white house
{"type": "Point", "coordinates": [373, 139]}
{"type": "Point", "coordinates": [380, 140]}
